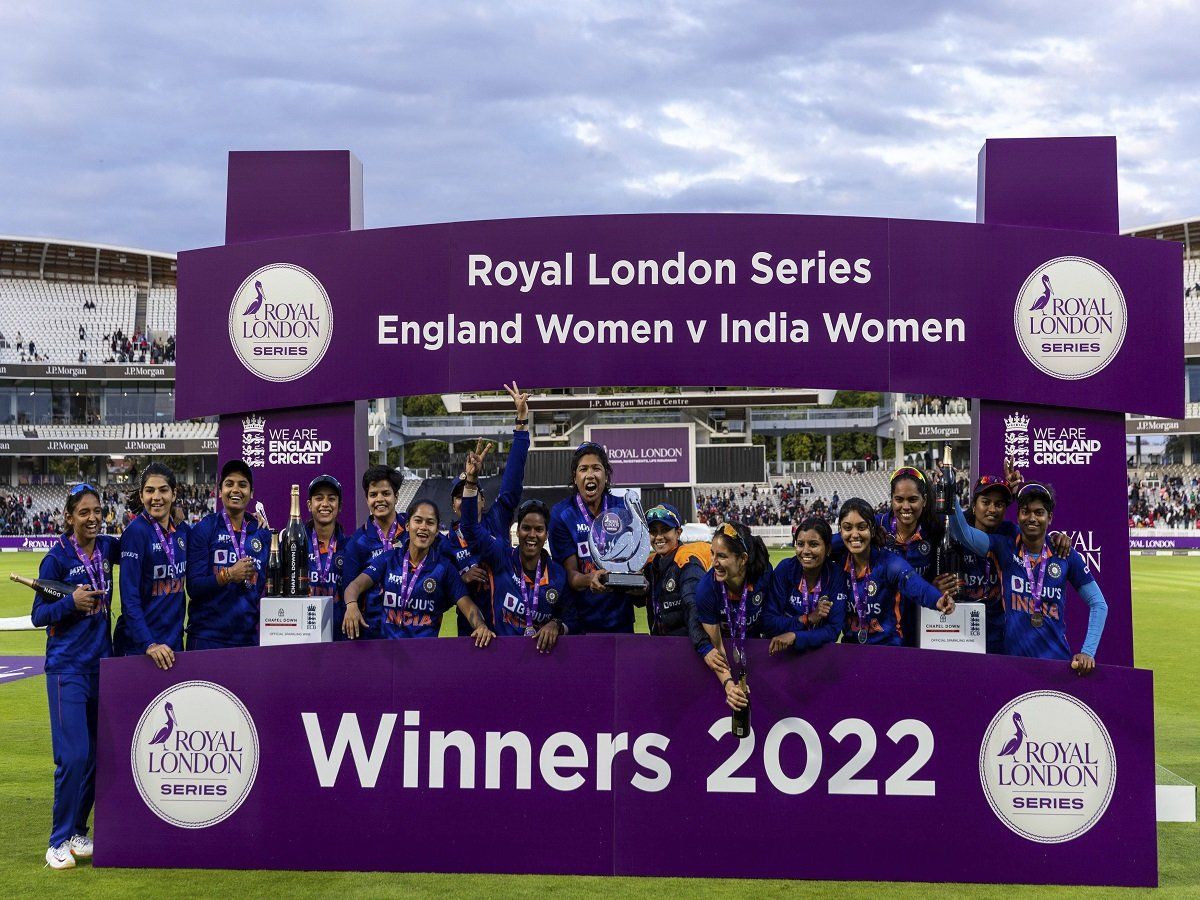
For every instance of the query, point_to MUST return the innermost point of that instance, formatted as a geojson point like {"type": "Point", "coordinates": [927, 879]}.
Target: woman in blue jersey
{"type": "Point", "coordinates": [153, 566]}
{"type": "Point", "coordinates": [418, 584]}
{"type": "Point", "coordinates": [981, 574]}
{"type": "Point", "coordinates": [803, 614]}
{"type": "Point", "coordinates": [227, 554]}
{"type": "Point", "coordinates": [673, 574]}
{"type": "Point", "coordinates": [878, 583]}
{"type": "Point", "coordinates": [77, 638]}
{"type": "Point", "coordinates": [381, 486]}
{"type": "Point", "coordinates": [730, 603]}
{"type": "Point", "coordinates": [600, 610]}
{"type": "Point", "coordinates": [911, 530]}
{"type": "Point", "coordinates": [529, 590]}
{"type": "Point", "coordinates": [1034, 582]}
{"type": "Point", "coordinates": [496, 517]}
{"type": "Point", "coordinates": [326, 542]}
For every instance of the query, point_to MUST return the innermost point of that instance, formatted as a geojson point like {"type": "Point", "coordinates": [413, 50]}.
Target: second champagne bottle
{"type": "Point", "coordinates": [293, 552]}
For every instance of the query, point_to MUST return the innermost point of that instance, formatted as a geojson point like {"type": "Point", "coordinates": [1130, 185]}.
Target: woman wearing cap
{"type": "Point", "coordinates": [326, 543]}
{"type": "Point", "coordinates": [878, 583]}
{"type": "Point", "coordinates": [673, 574]}
{"type": "Point", "coordinates": [731, 600]}
{"type": "Point", "coordinates": [599, 610]}
{"type": "Point", "coordinates": [417, 585]}
{"type": "Point", "coordinates": [803, 614]}
{"type": "Point", "coordinates": [381, 485]}
{"type": "Point", "coordinates": [227, 554]}
{"type": "Point", "coordinates": [153, 565]}
{"type": "Point", "coordinates": [1035, 611]}
{"type": "Point", "coordinates": [77, 638]}
{"type": "Point", "coordinates": [529, 590]}
{"type": "Point", "coordinates": [498, 516]}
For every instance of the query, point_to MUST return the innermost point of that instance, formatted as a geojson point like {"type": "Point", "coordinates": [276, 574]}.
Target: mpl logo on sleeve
{"type": "Point", "coordinates": [195, 754]}
{"type": "Point", "coordinates": [1048, 767]}
{"type": "Point", "coordinates": [280, 322]}
{"type": "Point", "coordinates": [1070, 317]}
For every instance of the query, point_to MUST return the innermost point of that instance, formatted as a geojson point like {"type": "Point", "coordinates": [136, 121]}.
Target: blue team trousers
{"type": "Point", "coordinates": [74, 700]}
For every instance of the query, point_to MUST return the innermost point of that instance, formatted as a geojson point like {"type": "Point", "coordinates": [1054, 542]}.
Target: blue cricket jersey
{"type": "Point", "coordinates": [885, 585]}
{"type": "Point", "coordinates": [153, 602]}
{"type": "Point", "coordinates": [509, 583]}
{"type": "Point", "coordinates": [364, 547]}
{"type": "Point", "coordinates": [710, 606]}
{"type": "Point", "coordinates": [790, 612]}
{"type": "Point", "coordinates": [226, 615]}
{"type": "Point", "coordinates": [918, 551]}
{"type": "Point", "coordinates": [608, 611]}
{"type": "Point", "coordinates": [981, 573]}
{"type": "Point", "coordinates": [435, 588]}
{"type": "Point", "coordinates": [75, 642]}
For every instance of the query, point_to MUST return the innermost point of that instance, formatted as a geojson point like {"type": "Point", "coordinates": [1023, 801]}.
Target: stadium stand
{"type": "Point", "coordinates": [52, 316]}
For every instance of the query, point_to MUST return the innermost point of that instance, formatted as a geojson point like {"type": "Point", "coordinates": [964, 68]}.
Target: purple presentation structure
{"type": "Point", "coordinates": [14, 668]}
{"type": "Point", "coordinates": [35, 543]}
{"type": "Point", "coordinates": [613, 755]}
{"type": "Point", "coordinates": [647, 454]}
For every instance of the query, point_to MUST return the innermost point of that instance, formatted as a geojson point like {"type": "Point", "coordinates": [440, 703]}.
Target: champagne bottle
{"type": "Point", "coordinates": [55, 590]}
{"type": "Point", "coordinates": [274, 572]}
{"type": "Point", "coordinates": [741, 717]}
{"type": "Point", "coordinates": [293, 552]}
{"type": "Point", "coordinates": [948, 558]}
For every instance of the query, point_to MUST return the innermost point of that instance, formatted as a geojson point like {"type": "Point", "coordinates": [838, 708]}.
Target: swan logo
{"type": "Point", "coordinates": [195, 754]}
{"type": "Point", "coordinates": [1070, 317]}
{"type": "Point", "coordinates": [1048, 767]}
{"type": "Point", "coordinates": [280, 322]}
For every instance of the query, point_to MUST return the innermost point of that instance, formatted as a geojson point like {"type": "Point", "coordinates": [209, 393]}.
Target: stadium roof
{"type": "Point", "coordinates": [54, 259]}
{"type": "Point", "coordinates": [1185, 231]}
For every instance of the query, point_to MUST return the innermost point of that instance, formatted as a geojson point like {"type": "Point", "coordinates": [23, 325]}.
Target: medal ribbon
{"type": "Point", "coordinates": [859, 594]}
{"type": "Point", "coordinates": [409, 582]}
{"type": "Point", "coordinates": [163, 539]}
{"type": "Point", "coordinates": [737, 622]}
{"type": "Point", "coordinates": [1035, 587]}
{"type": "Point", "coordinates": [529, 595]}
{"type": "Point", "coordinates": [315, 545]}
{"type": "Point", "coordinates": [93, 565]}
{"type": "Point", "coordinates": [238, 537]}
{"type": "Point", "coordinates": [386, 539]}
{"type": "Point", "coordinates": [808, 600]}
{"type": "Point", "coordinates": [588, 518]}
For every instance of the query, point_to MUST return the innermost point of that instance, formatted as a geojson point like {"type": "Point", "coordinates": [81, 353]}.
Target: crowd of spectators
{"type": "Point", "coordinates": [1174, 503]}
{"type": "Point", "coordinates": [137, 349]}
{"type": "Point", "coordinates": [20, 515]}
{"type": "Point", "coordinates": [783, 503]}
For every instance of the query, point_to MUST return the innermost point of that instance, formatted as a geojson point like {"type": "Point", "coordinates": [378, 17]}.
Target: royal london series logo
{"type": "Point", "coordinates": [1070, 317]}
{"type": "Point", "coordinates": [195, 754]}
{"type": "Point", "coordinates": [1048, 767]}
{"type": "Point", "coordinates": [280, 322]}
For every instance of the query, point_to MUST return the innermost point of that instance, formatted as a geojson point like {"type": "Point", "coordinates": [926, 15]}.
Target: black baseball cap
{"type": "Point", "coordinates": [239, 466]}
{"type": "Point", "coordinates": [325, 481]}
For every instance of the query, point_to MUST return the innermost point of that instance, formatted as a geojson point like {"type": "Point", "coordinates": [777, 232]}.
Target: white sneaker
{"type": "Point", "coordinates": [60, 857]}
{"type": "Point", "coordinates": [81, 846]}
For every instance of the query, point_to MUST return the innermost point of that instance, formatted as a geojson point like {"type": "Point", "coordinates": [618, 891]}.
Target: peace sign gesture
{"type": "Point", "coordinates": [520, 400]}
{"type": "Point", "coordinates": [475, 458]}
{"type": "Point", "coordinates": [1011, 475]}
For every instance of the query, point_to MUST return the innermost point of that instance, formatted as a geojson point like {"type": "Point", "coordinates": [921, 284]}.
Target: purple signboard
{"type": "Point", "coordinates": [641, 300]}
{"type": "Point", "coordinates": [14, 668]}
{"type": "Point", "coordinates": [1183, 542]}
{"type": "Point", "coordinates": [647, 454]}
{"type": "Point", "coordinates": [35, 543]}
{"type": "Point", "coordinates": [504, 760]}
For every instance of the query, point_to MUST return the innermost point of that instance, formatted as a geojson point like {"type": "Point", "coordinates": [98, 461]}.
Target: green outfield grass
{"type": "Point", "coordinates": [1167, 631]}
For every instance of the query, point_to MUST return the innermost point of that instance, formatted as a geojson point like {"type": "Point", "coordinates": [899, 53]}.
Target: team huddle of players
{"type": "Point", "coordinates": [398, 573]}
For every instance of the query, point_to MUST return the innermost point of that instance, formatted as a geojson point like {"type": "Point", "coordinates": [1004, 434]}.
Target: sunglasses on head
{"type": "Point", "coordinates": [589, 445]}
{"type": "Point", "coordinates": [80, 488]}
{"type": "Point", "coordinates": [910, 472]}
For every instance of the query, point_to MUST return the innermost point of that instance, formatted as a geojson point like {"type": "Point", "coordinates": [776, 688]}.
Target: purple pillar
{"type": "Point", "coordinates": [1068, 183]}
{"type": "Point", "coordinates": [288, 194]}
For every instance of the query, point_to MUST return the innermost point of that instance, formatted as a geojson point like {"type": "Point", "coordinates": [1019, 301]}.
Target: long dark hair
{"type": "Point", "coordinates": [928, 523]}
{"type": "Point", "coordinates": [744, 541]}
{"type": "Point", "coordinates": [134, 503]}
{"type": "Point", "coordinates": [817, 524]}
{"type": "Point", "coordinates": [864, 509]}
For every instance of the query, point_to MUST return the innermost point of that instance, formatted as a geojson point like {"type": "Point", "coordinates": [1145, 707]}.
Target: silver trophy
{"type": "Point", "coordinates": [619, 543]}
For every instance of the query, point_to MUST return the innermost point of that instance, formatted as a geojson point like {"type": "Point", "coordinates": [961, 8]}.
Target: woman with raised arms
{"type": "Point", "coordinates": [599, 610]}
{"type": "Point", "coordinates": [227, 553]}
{"type": "Point", "coordinates": [877, 582]}
{"type": "Point", "coordinates": [77, 638]}
{"type": "Point", "coordinates": [803, 614]}
{"type": "Point", "coordinates": [1035, 609]}
{"type": "Point", "coordinates": [153, 567]}
{"type": "Point", "coordinates": [417, 584]}
{"type": "Point", "coordinates": [730, 603]}
{"type": "Point", "coordinates": [529, 590]}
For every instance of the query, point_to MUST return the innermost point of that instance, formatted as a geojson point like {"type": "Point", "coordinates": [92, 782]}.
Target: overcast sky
{"type": "Point", "coordinates": [115, 117]}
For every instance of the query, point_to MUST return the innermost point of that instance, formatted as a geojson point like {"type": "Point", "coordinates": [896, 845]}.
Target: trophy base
{"type": "Point", "coordinates": [626, 581]}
